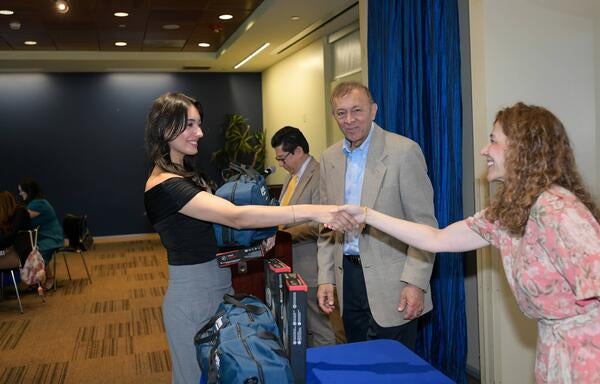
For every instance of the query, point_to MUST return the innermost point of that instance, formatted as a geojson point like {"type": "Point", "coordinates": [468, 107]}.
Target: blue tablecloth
{"type": "Point", "coordinates": [369, 362]}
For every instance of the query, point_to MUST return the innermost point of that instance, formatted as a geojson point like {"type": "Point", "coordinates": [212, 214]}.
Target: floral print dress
{"type": "Point", "coordinates": [554, 273]}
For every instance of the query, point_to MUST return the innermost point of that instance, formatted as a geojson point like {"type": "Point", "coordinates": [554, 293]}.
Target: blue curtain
{"type": "Point", "coordinates": [414, 75]}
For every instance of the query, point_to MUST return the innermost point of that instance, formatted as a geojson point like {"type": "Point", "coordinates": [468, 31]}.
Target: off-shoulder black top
{"type": "Point", "coordinates": [187, 240]}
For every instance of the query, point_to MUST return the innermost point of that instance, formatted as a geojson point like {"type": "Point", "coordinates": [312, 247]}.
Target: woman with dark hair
{"type": "Point", "coordinates": [545, 224]}
{"type": "Point", "coordinates": [13, 218]}
{"type": "Point", "coordinates": [42, 214]}
{"type": "Point", "coordinates": [182, 209]}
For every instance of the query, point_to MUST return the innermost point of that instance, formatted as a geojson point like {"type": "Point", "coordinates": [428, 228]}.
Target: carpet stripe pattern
{"type": "Point", "coordinates": [109, 330]}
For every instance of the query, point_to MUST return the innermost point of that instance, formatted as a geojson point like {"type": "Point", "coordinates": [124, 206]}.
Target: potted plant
{"type": "Point", "coordinates": [242, 145]}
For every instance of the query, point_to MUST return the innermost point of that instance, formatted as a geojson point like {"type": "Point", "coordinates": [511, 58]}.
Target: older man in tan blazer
{"type": "Point", "coordinates": [382, 283]}
{"type": "Point", "coordinates": [302, 187]}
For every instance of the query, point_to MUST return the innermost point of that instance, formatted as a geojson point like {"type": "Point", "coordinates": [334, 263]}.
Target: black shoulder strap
{"type": "Point", "coordinates": [236, 301]}
{"type": "Point", "coordinates": [235, 170]}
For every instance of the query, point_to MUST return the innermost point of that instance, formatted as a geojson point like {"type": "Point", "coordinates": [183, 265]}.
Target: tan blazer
{"type": "Point", "coordinates": [396, 183]}
{"type": "Point", "coordinates": [304, 235]}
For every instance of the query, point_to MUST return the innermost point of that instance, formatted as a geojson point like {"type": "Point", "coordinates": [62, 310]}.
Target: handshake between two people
{"type": "Point", "coordinates": [346, 218]}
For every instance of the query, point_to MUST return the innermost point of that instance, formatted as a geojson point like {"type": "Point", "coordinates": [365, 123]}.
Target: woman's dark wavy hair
{"type": "Point", "coordinates": [166, 120]}
{"type": "Point", "coordinates": [538, 155]}
{"type": "Point", "coordinates": [32, 189]}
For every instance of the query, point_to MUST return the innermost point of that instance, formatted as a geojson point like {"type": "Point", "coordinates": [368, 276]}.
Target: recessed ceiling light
{"type": "Point", "coordinates": [122, 25]}
{"type": "Point", "coordinates": [30, 42]}
{"type": "Point", "coordinates": [121, 14]}
{"type": "Point", "coordinates": [226, 17]}
{"type": "Point", "coordinates": [61, 6]}
{"type": "Point", "coordinates": [120, 44]}
{"type": "Point", "coordinates": [204, 45]}
{"type": "Point", "coordinates": [170, 27]}
{"type": "Point", "coordinates": [295, 18]}
{"type": "Point", "coordinates": [6, 12]}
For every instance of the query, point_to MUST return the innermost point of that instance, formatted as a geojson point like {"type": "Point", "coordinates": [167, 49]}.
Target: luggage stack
{"type": "Point", "coordinates": [274, 270]}
{"type": "Point", "coordinates": [287, 294]}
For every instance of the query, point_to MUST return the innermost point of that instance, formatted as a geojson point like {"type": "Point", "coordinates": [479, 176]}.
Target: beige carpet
{"type": "Point", "coordinates": [106, 331]}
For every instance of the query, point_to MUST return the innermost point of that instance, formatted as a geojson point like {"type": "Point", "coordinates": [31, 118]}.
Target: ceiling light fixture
{"type": "Point", "coordinates": [259, 50]}
{"type": "Point", "coordinates": [170, 27]}
{"type": "Point", "coordinates": [120, 43]}
{"type": "Point", "coordinates": [6, 12]}
{"type": "Point", "coordinates": [61, 6]}
{"type": "Point", "coordinates": [226, 17]}
{"type": "Point", "coordinates": [121, 14]}
{"type": "Point", "coordinates": [30, 42]}
{"type": "Point", "coordinates": [204, 45]}
{"type": "Point", "coordinates": [295, 18]}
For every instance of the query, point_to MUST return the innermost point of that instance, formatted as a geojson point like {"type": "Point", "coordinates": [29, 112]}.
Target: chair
{"type": "Point", "coordinates": [79, 240]}
{"type": "Point", "coordinates": [10, 261]}
{"type": "Point", "coordinates": [16, 258]}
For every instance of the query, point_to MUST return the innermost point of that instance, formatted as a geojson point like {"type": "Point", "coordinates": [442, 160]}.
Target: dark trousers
{"type": "Point", "coordinates": [359, 324]}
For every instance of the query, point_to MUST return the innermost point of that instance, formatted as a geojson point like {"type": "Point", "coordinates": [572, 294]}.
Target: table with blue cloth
{"type": "Point", "coordinates": [368, 362]}
{"type": "Point", "coordinates": [372, 362]}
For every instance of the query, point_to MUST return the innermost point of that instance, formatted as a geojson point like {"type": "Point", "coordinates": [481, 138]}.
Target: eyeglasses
{"type": "Point", "coordinates": [282, 158]}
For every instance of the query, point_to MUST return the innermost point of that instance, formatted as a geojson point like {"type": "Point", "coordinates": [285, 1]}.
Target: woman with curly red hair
{"type": "Point", "coordinates": [545, 224]}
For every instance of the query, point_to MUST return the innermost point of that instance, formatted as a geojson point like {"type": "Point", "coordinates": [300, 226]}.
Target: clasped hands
{"type": "Point", "coordinates": [346, 218]}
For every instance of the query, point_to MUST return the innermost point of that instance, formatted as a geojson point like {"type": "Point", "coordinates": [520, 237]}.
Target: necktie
{"type": "Point", "coordinates": [289, 191]}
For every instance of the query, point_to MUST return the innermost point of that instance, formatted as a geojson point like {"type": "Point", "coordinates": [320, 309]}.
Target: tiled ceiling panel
{"type": "Point", "coordinates": [90, 25]}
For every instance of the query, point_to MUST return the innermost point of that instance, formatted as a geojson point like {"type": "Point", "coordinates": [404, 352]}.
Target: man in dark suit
{"type": "Point", "coordinates": [302, 187]}
{"type": "Point", "coordinates": [382, 283]}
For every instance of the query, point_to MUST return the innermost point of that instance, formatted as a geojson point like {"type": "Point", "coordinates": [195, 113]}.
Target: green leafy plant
{"type": "Point", "coordinates": [242, 145]}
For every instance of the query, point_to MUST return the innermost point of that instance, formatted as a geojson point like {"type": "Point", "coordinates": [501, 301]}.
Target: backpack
{"type": "Point", "coordinates": [77, 231]}
{"type": "Point", "coordinates": [245, 186]}
{"type": "Point", "coordinates": [240, 344]}
{"type": "Point", "coordinates": [33, 270]}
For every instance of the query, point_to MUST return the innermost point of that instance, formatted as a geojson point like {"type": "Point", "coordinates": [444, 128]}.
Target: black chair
{"type": "Point", "coordinates": [79, 240]}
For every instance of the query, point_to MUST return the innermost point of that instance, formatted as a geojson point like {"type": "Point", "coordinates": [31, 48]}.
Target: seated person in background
{"type": "Point", "coordinates": [43, 217]}
{"type": "Point", "coordinates": [12, 219]}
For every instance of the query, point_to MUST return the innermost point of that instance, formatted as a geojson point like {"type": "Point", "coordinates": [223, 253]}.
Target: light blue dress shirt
{"type": "Point", "coordinates": [356, 159]}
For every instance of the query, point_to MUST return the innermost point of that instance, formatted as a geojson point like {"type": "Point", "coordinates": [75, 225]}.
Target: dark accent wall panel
{"type": "Point", "coordinates": [81, 135]}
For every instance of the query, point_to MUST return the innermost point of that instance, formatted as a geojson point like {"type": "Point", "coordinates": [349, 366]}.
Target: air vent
{"type": "Point", "coordinates": [195, 68]}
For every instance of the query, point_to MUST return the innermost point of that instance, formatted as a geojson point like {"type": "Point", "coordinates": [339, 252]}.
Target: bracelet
{"type": "Point", "coordinates": [293, 214]}
{"type": "Point", "coordinates": [366, 211]}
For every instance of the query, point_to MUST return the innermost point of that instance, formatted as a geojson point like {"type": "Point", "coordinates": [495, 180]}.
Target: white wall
{"type": "Point", "coordinates": [294, 94]}
{"type": "Point", "coordinates": [540, 52]}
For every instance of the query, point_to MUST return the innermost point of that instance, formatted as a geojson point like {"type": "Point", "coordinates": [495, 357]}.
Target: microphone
{"type": "Point", "coordinates": [269, 170]}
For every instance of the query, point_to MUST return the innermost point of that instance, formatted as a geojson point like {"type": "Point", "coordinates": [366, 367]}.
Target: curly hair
{"type": "Point", "coordinates": [538, 156]}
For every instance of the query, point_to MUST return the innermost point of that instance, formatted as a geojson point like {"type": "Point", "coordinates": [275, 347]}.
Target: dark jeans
{"type": "Point", "coordinates": [359, 324]}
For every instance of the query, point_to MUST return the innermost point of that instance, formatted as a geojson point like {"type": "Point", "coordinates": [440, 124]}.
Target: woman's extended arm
{"type": "Point", "coordinates": [457, 237]}
{"type": "Point", "coordinates": [205, 206]}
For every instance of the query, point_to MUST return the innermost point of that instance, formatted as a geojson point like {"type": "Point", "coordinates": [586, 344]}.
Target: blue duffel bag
{"type": "Point", "coordinates": [244, 186]}
{"type": "Point", "coordinates": [240, 345]}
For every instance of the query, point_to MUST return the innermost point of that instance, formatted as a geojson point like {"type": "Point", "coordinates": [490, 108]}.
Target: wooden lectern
{"type": "Point", "coordinates": [253, 280]}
